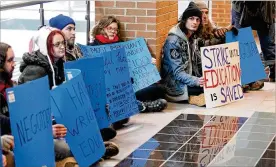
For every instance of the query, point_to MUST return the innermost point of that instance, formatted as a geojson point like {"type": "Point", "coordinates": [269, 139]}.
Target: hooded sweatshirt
{"type": "Point", "coordinates": [178, 59]}
{"type": "Point", "coordinates": [37, 64]}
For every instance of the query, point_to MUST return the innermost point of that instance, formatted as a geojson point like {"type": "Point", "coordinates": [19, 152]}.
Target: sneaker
{"type": "Point", "coordinates": [256, 85]}
{"type": "Point", "coordinates": [156, 105]}
{"type": "Point", "coordinates": [67, 162]}
{"type": "Point", "coordinates": [120, 124]}
{"type": "Point", "coordinates": [197, 100]}
{"type": "Point", "coordinates": [111, 150]}
{"type": "Point", "coordinates": [108, 133]}
{"type": "Point", "coordinates": [141, 106]}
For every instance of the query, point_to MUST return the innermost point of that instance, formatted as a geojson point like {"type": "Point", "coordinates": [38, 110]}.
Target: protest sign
{"type": "Point", "coordinates": [119, 91]}
{"type": "Point", "coordinates": [71, 107]}
{"type": "Point", "coordinates": [92, 70]}
{"type": "Point", "coordinates": [31, 123]}
{"type": "Point", "coordinates": [222, 74]}
{"type": "Point", "coordinates": [250, 61]}
{"type": "Point", "coordinates": [143, 72]}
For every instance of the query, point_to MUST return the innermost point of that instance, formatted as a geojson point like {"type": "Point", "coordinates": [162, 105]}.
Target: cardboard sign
{"type": "Point", "coordinates": [71, 107]}
{"type": "Point", "coordinates": [92, 70]}
{"type": "Point", "coordinates": [251, 64]}
{"type": "Point", "coordinates": [222, 73]}
{"type": "Point", "coordinates": [31, 123]}
{"type": "Point", "coordinates": [143, 72]}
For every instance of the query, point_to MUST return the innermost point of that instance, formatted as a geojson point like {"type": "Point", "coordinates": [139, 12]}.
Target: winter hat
{"type": "Point", "coordinates": [192, 10]}
{"type": "Point", "coordinates": [61, 21]}
{"type": "Point", "coordinates": [201, 5]}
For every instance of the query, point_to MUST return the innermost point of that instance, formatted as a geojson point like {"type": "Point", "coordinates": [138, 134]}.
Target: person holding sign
{"type": "Point", "coordinates": [260, 15]}
{"type": "Point", "coordinates": [107, 31]}
{"type": "Point", "coordinates": [67, 25]}
{"type": "Point", "coordinates": [181, 69]}
{"type": "Point", "coordinates": [48, 60]}
{"type": "Point", "coordinates": [211, 35]}
{"type": "Point", "coordinates": [7, 65]}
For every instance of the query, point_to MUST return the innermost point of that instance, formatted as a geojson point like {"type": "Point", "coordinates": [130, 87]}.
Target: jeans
{"type": "Point", "coordinates": [264, 33]}
{"type": "Point", "coordinates": [62, 149]}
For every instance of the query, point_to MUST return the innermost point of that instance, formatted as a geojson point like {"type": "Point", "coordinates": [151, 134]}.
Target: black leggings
{"type": "Point", "coordinates": [195, 91]}
{"type": "Point", "coordinates": [151, 93]}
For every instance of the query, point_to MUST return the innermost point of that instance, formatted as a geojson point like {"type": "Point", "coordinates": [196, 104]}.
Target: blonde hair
{"type": "Point", "coordinates": [104, 22]}
{"type": "Point", "coordinates": [207, 31]}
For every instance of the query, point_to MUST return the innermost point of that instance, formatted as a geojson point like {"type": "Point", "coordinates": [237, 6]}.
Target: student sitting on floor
{"type": "Point", "coordinates": [68, 26]}
{"type": "Point", "coordinates": [107, 31]}
{"type": "Point", "coordinates": [181, 69]}
{"type": "Point", "coordinates": [211, 35]}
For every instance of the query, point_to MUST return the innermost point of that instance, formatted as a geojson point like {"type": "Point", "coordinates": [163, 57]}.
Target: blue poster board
{"type": "Point", "coordinates": [92, 70]}
{"type": "Point", "coordinates": [251, 64]}
{"type": "Point", "coordinates": [143, 72]}
{"type": "Point", "coordinates": [71, 107]}
{"type": "Point", "coordinates": [119, 90]}
{"type": "Point", "coordinates": [31, 123]}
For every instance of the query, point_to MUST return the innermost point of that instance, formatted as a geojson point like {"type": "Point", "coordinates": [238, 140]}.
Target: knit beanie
{"type": "Point", "coordinates": [201, 5]}
{"type": "Point", "coordinates": [192, 10]}
{"type": "Point", "coordinates": [60, 21]}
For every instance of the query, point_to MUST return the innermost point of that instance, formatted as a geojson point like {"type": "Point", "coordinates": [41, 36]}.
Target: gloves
{"type": "Point", "coordinates": [7, 142]}
{"type": "Point", "coordinates": [235, 31]}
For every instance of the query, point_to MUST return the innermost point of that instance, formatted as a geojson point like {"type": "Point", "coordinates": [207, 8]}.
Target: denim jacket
{"type": "Point", "coordinates": [177, 66]}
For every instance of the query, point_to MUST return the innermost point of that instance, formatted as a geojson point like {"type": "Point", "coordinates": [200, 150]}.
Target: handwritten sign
{"type": "Point", "coordinates": [251, 64]}
{"type": "Point", "coordinates": [71, 107]}
{"type": "Point", "coordinates": [32, 124]}
{"type": "Point", "coordinates": [92, 70]}
{"type": "Point", "coordinates": [222, 74]}
{"type": "Point", "coordinates": [143, 72]}
{"type": "Point", "coordinates": [216, 134]}
{"type": "Point", "coordinates": [119, 91]}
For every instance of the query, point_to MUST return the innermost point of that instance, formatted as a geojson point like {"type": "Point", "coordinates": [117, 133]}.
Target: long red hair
{"type": "Point", "coordinates": [50, 46]}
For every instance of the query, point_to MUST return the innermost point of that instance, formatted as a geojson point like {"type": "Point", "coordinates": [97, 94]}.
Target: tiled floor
{"type": "Point", "coordinates": [143, 126]}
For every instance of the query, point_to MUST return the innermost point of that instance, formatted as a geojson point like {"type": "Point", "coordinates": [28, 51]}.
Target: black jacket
{"type": "Point", "coordinates": [36, 65]}
{"type": "Point", "coordinates": [5, 125]}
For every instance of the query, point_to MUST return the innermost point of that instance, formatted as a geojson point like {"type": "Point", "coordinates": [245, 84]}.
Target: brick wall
{"type": "Point", "coordinates": [221, 12]}
{"type": "Point", "coordinates": [149, 19]}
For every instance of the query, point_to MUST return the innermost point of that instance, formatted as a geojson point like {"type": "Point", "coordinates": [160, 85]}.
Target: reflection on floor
{"type": "Point", "coordinates": [196, 138]}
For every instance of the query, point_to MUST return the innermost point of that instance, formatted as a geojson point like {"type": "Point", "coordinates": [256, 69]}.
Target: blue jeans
{"type": "Point", "coordinates": [62, 150]}
{"type": "Point", "coordinates": [264, 33]}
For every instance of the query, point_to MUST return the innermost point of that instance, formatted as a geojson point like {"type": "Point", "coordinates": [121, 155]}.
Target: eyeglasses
{"type": "Point", "coordinates": [59, 44]}
{"type": "Point", "coordinates": [110, 29]}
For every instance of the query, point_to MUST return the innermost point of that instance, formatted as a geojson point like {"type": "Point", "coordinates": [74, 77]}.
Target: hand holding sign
{"type": "Point", "coordinates": [59, 131]}
{"type": "Point", "coordinates": [7, 142]}
{"type": "Point", "coordinates": [4, 160]}
{"type": "Point", "coordinates": [201, 81]}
